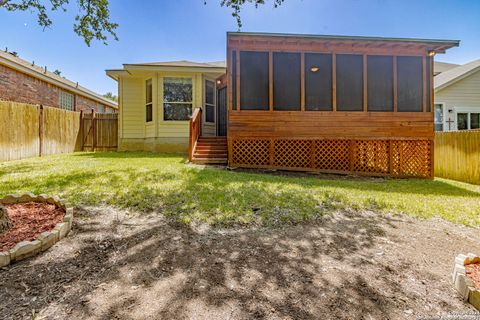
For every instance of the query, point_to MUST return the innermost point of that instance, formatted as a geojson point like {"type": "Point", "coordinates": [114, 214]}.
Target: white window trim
{"type": "Point", "coordinates": [63, 97]}
{"type": "Point", "coordinates": [149, 103]}
{"type": "Point", "coordinates": [192, 78]}
{"type": "Point", "coordinates": [469, 119]}
{"type": "Point", "coordinates": [444, 116]}
{"type": "Point", "coordinates": [209, 104]}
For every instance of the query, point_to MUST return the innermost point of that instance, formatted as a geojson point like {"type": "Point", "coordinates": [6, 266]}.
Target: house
{"type": "Point", "coordinates": [356, 105]}
{"type": "Point", "coordinates": [457, 97]}
{"type": "Point", "coordinates": [22, 81]}
{"type": "Point", "coordinates": [157, 100]}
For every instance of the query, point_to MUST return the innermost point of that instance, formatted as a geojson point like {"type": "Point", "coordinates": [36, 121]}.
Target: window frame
{"type": "Point", "coordinates": [443, 115]}
{"type": "Point", "coordinates": [148, 104]}
{"type": "Point", "coordinates": [469, 119]}
{"type": "Point", "coordinates": [205, 104]}
{"type": "Point", "coordinates": [192, 79]}
{"type": "Point", "coordinates": [62, 99]}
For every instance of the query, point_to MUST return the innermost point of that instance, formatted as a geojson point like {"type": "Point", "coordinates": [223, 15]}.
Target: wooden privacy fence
{"type": "Point", "coordinates": [30, 130]}
{"type": "Point", "coordinates": [457, 155]}
{"type": "Point", "coordinates": [99, 131]}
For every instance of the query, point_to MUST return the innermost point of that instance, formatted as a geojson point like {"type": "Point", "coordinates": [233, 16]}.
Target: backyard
{"type": "Point", "coordinates": [155, 238]}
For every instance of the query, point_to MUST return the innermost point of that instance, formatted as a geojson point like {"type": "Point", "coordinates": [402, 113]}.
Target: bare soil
{"type": "Point", "coordinates": [118, 265]}
{"type": "Point", "coordinates": [473, 272]}
{"type": "Point", "coordinates": [28, 221]}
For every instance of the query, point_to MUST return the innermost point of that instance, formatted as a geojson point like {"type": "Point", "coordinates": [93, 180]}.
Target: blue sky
{"type": "Point", "coordinates": [160, 30]}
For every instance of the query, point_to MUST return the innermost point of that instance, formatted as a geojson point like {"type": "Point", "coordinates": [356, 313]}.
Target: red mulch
{"type": "Point", "coordinates": [29, 220]}
{"type": "Point", "coordinates": [473, 272]}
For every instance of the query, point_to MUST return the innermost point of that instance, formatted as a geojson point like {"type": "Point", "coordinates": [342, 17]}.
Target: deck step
{"type": "Point", "coordinates": [211, 150]}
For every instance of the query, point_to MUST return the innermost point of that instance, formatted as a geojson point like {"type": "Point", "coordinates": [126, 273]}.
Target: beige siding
{"type": "Point", "coordinates": [133, 109]}
{"type": "Point", "coordinates": [463, 96]}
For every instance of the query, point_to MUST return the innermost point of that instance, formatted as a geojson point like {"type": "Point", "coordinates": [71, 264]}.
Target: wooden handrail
{"type": "Point", "coordinates": [195, 129]}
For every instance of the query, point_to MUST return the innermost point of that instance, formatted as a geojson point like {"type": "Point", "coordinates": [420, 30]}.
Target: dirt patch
{"type": "Point", "coordinates": [28, 221]}
{"type": "Point", "coordinates": [473, 272]}
{"type": "Point", "coordinates": [118, 265]}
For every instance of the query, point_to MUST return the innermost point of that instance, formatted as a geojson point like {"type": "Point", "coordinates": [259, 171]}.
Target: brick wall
{"type": "Point", "coordinates": [19, 87]}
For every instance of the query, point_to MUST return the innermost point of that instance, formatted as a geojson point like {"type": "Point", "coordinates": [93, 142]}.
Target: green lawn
{"type": "Point", "coordinates": [147, 181]}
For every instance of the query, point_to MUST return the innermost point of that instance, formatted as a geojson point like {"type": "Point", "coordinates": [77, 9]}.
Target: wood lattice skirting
{"type": "Point", "coordinates": [398, 158]}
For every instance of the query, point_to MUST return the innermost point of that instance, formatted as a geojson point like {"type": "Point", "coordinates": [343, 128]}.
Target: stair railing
{"type": "Point", "coordinates": [195, 129]}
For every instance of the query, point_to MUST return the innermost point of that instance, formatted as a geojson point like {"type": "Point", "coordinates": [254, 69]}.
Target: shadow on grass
{"type": "Point", "coordinates": [163, 271]}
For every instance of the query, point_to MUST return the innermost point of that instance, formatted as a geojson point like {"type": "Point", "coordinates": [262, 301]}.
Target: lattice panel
{"type": "Point", "coordinates": [371, 156]}
{"type": "Point", "coordinates": [414, 158]}
{"type": "Point", "coordinates": [251, 152]}
{"type": "Point", "coordinates": [332, 155]}
{"type": "Point", "coordinates": [292, 153]}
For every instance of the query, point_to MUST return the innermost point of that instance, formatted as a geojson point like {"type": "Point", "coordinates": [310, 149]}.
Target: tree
{"type": "Point", "coordinates": [57, 72]}
{"type": "Point", "coordinates": [91, 22]}
{"type": "Point", "coordinates": [111, 96]}
{"type": "Point", "coordinates": [236, 6]}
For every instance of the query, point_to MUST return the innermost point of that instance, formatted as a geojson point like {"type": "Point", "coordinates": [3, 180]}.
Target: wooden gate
{"type": "Point", "coordinates": [99, 131]}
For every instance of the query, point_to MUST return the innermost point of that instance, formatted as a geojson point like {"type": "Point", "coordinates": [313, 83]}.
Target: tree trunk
{"type": "Point", "coordinates": [5, 222]}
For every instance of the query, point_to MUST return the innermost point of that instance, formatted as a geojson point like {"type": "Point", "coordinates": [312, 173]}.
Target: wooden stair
{"type": "Point", "coordinates": [210, 150]}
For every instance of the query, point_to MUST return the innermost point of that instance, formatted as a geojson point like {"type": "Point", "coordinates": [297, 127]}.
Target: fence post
{"type": "Point", "coordinates": [94, 128]}
{"type": "Point", "coordinates": [81, 131]}
{"type": "Point", "coordinates": [40, 130]}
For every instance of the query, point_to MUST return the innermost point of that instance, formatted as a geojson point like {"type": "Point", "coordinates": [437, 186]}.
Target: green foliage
{"type": "Point", "coordinates": [163, 183]}
{"type": "Point", "coordinates": [57, 72]}
{"type": "Point", "coordinates": [91, 22]}
{"type": "Point", "coordinates": [111, 96]}
{"type": "Point", "coordinates": [236, 6]}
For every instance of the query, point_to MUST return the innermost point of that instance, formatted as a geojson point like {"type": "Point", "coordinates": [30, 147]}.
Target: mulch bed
{"type": "Point", "coordinates": [473, 272]}
{"type": "Point", "coordinates": [29, 220]}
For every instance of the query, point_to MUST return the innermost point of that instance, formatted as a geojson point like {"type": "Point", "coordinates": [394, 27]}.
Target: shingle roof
{"type": "Point", "coordinates": [453, 75]}
{"type": "Point", "coordinates": [439, 67]}
{"type": "Point", "coordinates": [40, 72]}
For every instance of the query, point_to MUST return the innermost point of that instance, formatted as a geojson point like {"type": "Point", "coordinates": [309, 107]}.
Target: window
{"type": "Point", "coordinates": [100, 108]}
{"type": "Point", "coordinates": [380, 83]}
{"type": "Point", "coordinates": [177, 99]}
{"type": "Point", "coordinates": [410, 84]}
{"type": "Point", "coordinates": [148, 101]}
{"type": "Point", "coordinates": [254, 80]}
{"type": "Point", "coordinates": [286, 81]}
{"type": "Point", "coordinates": [209, 101]}
{"type": "Point", "coordinates": [438, 112]}
{"type": "Point", "coordinates": [462, 121]}
{"type": "Point", "coordinates": [66, 100]}
{"type": "Point", "coordinates": [468, 120]}
{"type": "Point", "coordinates": [349, 82]}
{"type": "Point", "coordinates": [318, 82]}
{"type": "Point", "coordinates": [474, 120]}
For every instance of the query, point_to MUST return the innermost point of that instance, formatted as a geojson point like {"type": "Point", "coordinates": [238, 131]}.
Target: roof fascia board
{"type": "Point", "coordinates": [174, 68]}
{"type": "Point", "coordinates": [457, 79]}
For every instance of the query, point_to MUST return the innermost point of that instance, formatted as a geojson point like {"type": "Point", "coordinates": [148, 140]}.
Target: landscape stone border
{"type": "Point", "coordinates": [464, 284]}
{"type": "Point", "coordinates": [45, 240]}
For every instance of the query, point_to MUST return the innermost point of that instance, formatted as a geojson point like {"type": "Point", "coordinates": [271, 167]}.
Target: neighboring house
{"type": "Point", "coordinates": [457, 97]}
{"type": "Point", "coordinates": [157, 100]}
{"type": "Point", "coordinates": [22, 81]}
{"type": "Point", "coordinates": [356, 105]}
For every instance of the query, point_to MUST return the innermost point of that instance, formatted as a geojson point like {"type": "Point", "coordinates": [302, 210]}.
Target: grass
{"type": "Point", "coordinates": [146, 181]}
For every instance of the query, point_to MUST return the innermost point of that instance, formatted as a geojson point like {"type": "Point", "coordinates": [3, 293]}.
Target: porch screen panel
{"type": "Point", "coordinates": [286, 81]}
{"type": "Point", "coordinates": [429, 73]}
{"type": "Point", "coordinates": [410, 86]}
{"type": "Point", "coordinates": [234, 80]}
{"type": "Point", "coordinates": [318, 82]}
{"type": "Point", "coordinates": [380, 83]}
{"type": "Point", "coordinates": [349, 82]}
{"type": "Point", "coordinates": [253, 80]}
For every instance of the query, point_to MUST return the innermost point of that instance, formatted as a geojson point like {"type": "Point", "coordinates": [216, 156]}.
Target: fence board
{"type": "Point", "coordinates": [19, 131]}
{"type": "Point", "coordinates": [60, 131]}
{"type": "Point", "coordinates": [102, 129]}
{"type": "Point", "coordinates": [457, 155]}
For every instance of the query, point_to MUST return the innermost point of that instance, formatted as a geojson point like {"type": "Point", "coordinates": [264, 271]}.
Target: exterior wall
{"type": "Point", "coordinates": [157, 135]}
{"type": "Point", "coordinates": [463, 96]}
{"type": "Point", "coordinates": [20, 87]}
